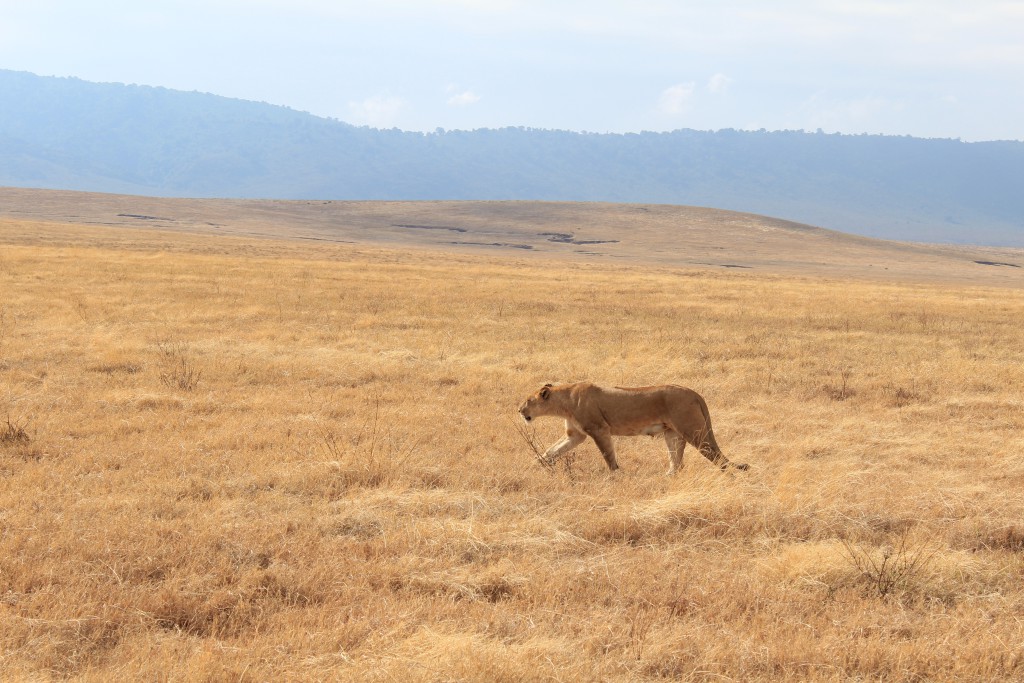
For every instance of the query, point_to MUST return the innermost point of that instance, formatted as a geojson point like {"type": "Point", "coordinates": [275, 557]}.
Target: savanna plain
{"type": "Point", "coordinates": [241, 459]}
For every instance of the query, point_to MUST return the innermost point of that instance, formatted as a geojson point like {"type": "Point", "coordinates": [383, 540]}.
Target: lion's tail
{"type": "Point", "coordinates": [708, 445]}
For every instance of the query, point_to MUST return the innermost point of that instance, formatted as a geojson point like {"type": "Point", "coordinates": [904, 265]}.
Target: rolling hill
{"type": "Point", "coordinates": [69, 134]}
{"type": "Point", "coordinates": [611, 234]}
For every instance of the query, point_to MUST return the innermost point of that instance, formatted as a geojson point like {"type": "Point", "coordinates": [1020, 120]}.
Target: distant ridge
{"type": "Point", "coordinates": [64, 133]}
{"type": "Point", "coordinates": [656, 235]}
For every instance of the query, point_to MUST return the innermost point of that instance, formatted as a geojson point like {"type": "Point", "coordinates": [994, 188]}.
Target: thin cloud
{"type": "Point", "coordinates": [463, 99]}
{"type": "Point", "coordinates": [719, 83]}
{"type": "Point", "coordinates": [677, 99]}
{"type": "Point", "coordinates": [378, 111]}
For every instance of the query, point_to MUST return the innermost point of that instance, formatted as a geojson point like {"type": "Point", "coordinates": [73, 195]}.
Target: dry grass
{"type": "Point", "coordinates": [234, 460]}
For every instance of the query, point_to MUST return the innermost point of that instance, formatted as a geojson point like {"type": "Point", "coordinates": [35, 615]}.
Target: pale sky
{"type": "Point", "coordinates": [929, 68]}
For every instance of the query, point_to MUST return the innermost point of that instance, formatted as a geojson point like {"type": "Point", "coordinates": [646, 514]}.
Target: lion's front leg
{"type": "Point", "coordinates": [572, 439]}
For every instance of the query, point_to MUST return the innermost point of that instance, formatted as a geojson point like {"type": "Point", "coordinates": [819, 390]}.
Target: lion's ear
{"type": "Point", "coordinates": [545, 392]}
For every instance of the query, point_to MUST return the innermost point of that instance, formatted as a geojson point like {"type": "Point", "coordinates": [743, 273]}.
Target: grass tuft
{"type": "Point", "coordinates": [178, 367]}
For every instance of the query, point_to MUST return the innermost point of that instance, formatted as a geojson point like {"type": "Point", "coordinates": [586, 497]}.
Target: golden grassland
{"type": "Point", "coordinates": [235, 460]}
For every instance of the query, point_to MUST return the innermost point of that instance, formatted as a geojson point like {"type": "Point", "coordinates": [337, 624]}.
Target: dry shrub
{"type": "Point", "coordinates": [891, 569]}
{"type": "Point", "coordinates": [13, 433]}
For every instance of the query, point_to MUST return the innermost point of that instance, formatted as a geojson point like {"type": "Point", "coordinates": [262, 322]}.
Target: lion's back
{"type": "Point", "coordinates": [670, 403]}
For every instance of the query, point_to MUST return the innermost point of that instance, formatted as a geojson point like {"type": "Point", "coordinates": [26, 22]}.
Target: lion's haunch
{"type": "Point", "coordinates": [601, 413]}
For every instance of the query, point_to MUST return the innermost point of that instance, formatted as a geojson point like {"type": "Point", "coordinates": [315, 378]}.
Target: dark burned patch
{"type": "Point", "coordinates": [114, 368]}
{"type": "Point", "coordinates": [569, 238]}
{"type": "Point", "coordinates": [723, 265]}
{"type": "Point", "coordinates": [1009, 538]}
{"type": "Point", "coordinates": [997, 263]}
{"type": "Point", "coordinates": [726, 265]}
{"type": "Point", "coordinates": [323, 239]}
{"type": "Point", "coordinates": [428, 227]}
{"type": "Point", "coordinates": [493, 244]}
{"type": "Point", "coordinates": [141, 217]}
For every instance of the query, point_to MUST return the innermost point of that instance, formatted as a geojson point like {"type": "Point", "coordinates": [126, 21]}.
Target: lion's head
{"type": "Point", "coordinates": [538, 404]}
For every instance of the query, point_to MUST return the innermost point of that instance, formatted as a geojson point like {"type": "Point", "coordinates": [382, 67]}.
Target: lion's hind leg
{"type": "Point", "coordinates": [676, 445]}
{"type": "Point", "coordinates": [704, 440]}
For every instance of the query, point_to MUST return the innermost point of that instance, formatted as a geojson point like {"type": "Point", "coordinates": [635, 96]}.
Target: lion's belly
{"type": "Point", "coordinates": [641, 429]}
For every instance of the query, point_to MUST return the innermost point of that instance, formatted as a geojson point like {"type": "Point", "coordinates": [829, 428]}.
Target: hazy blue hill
{"type": "Point", "coordinates": [71, 134]}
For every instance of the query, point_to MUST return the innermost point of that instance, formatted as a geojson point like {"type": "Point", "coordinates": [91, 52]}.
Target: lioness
{"type": "Point", "coordinates": [600, 413]}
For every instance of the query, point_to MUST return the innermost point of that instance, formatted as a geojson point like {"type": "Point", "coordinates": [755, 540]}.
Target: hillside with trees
{"type": "Point", "coordinates": [70, 134]}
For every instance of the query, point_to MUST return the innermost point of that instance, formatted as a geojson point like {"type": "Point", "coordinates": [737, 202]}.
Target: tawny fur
{"type": "Point", "coordinates": [680, 414]}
